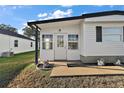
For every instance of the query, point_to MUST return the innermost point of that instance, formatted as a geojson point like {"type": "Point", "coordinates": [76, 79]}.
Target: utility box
{"type": "Point", "coordinates": [7, 54]}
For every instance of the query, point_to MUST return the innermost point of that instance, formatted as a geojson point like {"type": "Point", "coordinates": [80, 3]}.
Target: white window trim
{"type": "Point", "coordinates": [103, 28]}
{"type": "Point", "coordinates": [73, 42]}
{"type": "Point", "coordinates": [45, 41]}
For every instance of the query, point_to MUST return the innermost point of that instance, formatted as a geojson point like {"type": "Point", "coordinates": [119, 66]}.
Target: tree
{"type": "Point", "coordinates": [7, 27]}
{"type": "Point", "coordinates": [29, 32]}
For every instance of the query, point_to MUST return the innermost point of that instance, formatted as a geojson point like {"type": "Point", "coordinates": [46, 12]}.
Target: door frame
{"type": "Point", "coordinates": [65, 34]}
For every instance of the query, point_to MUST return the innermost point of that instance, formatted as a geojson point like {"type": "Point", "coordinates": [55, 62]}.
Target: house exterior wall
{"type": "Point", "coordinates": [93, 50]}
{"type": "Point", "coordinates": [117, 18]}
{"type": "Point", "coordinates": [81, 39]}
{"type": "Point", "coordinates": [69, 29]}
{"type": "Point", "coordinates": [7, 44]}
{"type": "Point", "coordinates": [4, 46]}
{"type": "Point", "coordinates": [23, 45]}
{"type": "Point", "coordinates": [107, 59]}
{"type": "Point", "coordinates": [89, 50]}
{"type": "Point", "coordinates": [101, 48]}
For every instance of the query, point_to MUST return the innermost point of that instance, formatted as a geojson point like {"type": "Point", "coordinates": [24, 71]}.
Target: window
{"type": "Point", "coordinates": [72, 41]}
{"type": "Point", "coordinates": [98, 33]}
{"type": "Point", "coordinates": [15, 43]}
{"type": "Point", "coordinates": [112, 34]}
{"type": "Point", "coordinates": [31, 44]}
{"type": "Point", "coordinates": [47, 41]}
{"type": "Point", "coordinates": [60, 41]}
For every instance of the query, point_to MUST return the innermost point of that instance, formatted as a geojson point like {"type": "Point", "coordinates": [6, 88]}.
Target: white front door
{"type": "Point", "coordinates": [60, 46]}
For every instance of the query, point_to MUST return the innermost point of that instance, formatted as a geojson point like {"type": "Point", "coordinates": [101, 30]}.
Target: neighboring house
{"type": "Point", "coordinates": [16, 43]}
{"type": "Point", "coordinates": [87, 37]}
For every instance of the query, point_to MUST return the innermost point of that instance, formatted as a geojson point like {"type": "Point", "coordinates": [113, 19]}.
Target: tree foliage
{"type": "Point", "coordinates": [29, 32]}
{"type": "Point", "coordinates": [7, 27]}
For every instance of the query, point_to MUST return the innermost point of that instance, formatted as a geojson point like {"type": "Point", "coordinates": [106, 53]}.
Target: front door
{"type": "Point", "coordinates": [60, 46]}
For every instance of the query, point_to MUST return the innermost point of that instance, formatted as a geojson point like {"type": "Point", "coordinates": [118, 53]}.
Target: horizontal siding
{"type": "Point", "coordinates": [106, 18]}
{"type": "Point", "coordinates": [93, 48]}
{"type": "Point", "coordinates": [4, 43]}
{"type": "Point", "coordinates": [7, 44]}
{"type": "Point", "coordinates": [23, 45]}
{"type": "Point", "coordinates": [82, 39]}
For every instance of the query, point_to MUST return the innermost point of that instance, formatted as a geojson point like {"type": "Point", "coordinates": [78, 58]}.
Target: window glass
{"type": "Point", "coordinates": [112, 38]}
{"type": "Point", "coordinates": [47, 41]}
{"type": "Point", "coordinates": [112, 30]}
{"type": "Point", "coordinates": [72, 45]}
{"type": "Point", "coordinates": [72, 37]}
{"type": "Point", "coordinates": [60, 41]}
{"type": "Point", "coordinates": [47, 38]}
{"type": "Point", "coordinates": [112, 34]}
{"type": "Point", "coordinates": [47, 45]}
{"type": "Point", "coordinates": [73, 41]}
{"type": "Point", "coordinates": [15, 43]}
{"type": "Point", "coordinates": [31, 44]}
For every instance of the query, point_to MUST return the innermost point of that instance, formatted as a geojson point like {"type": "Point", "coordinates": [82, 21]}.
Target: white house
{"type": "Point", "coordinates": [87, 37]}
{"type": "Point", "coordinates": [16, 43]}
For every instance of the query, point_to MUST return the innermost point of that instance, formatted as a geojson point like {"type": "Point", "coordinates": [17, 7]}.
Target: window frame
{"type": "Point", "coordinates": [73, 41]}
{"type": "Point", "coordinates": [112, 34]}
{"type": "Point", "coordinates": [44, 42]}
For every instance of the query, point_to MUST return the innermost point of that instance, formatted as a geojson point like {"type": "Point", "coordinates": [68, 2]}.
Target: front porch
{"type": "Point", "coordinates": [63, 70]}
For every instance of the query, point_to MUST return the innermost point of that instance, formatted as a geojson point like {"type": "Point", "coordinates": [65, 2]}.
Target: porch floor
{"type": "Point", "coordinates": [61, 69]}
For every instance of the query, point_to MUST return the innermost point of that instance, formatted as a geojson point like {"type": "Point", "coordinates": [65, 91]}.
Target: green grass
{"type": "Point", "coordinates": [17, 57]}
{"type": "Point", "coordinates": [12, 66]}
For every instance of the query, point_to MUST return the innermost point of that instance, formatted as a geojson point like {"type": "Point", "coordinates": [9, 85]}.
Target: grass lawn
{"type": "Point", "coordinates": [11, 66]}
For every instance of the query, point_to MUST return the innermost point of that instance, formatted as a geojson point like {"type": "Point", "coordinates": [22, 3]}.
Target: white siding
{"type": "Point", "coordinates": [69, 29]}
{"type": "Point", "coordinates": [119, 18]}
{"type": "Point", "coordinates": [7, 44]}
{"type": "Point", "coordinates": [94, 48]}
{"type": "Point", "coordinates": [87, 37]}
{"type": "Point", "coordinates": [23, 45]}
{"type": "Point", "coordinates": [82, 39]}
{"type": "Point", "coordinates": [4, 43]}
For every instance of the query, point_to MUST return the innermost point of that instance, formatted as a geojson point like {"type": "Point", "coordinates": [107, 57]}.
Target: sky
{"type": "Point", "coordinates": [18, 16]}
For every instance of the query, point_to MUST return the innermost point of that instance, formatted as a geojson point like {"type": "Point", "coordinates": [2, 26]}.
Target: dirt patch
{"type": "Point", "coordinates": [32, 78]}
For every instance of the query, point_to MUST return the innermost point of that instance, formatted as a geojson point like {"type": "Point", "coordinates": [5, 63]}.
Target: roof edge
{"type": "Point", "coordinates": [54, 20]}
{"type": "Point", "coordinates": [103, 13]}
{"type": "Point", "coordinates": [89, 15]}
{"type": "Point", "coordinates": [5, 32]}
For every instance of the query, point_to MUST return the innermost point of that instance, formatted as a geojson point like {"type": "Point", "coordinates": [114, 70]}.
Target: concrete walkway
{"type": "Point", "coordinates": [61, 69]}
